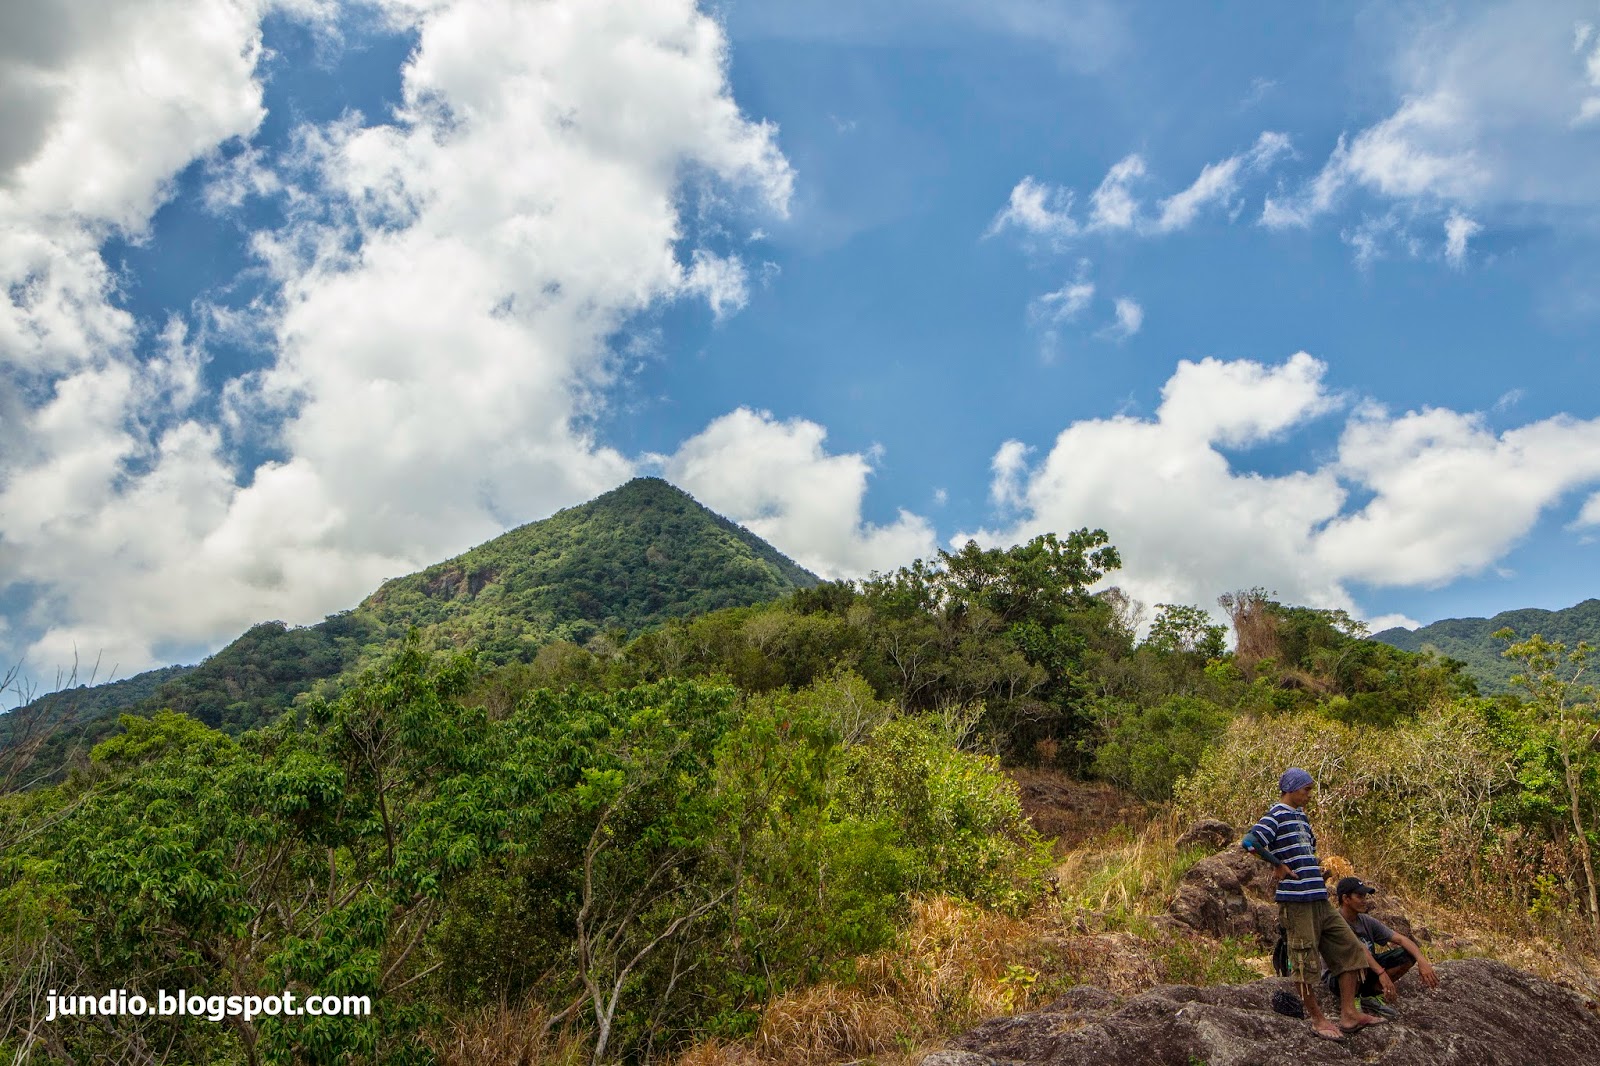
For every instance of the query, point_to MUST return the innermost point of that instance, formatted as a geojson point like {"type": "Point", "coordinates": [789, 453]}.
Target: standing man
{"type": "Point", "coordinates": [1283, 837]}
{"type": "Point", "coordinates": [1354, 897]}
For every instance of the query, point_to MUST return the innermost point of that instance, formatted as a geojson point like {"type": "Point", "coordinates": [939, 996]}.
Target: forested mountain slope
{"type": "Point", "coordinates": [1471, 639]}
{"type": "Point", "coordinates": [639, 555]}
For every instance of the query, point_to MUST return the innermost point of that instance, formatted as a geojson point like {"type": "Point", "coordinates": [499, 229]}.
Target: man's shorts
{"type": "Point", "coordinates": [1388, 958]}
{"type": "Point", "coordinates": [1317, 928]}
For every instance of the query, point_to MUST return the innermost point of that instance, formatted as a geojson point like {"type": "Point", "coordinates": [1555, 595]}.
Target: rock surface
{"type": "Point", "coordinates": [1485, 1013]}
{"type": "Point", "coordinates": [1228, 894]}
{"type": "Point", "coordinates": [1209, 831]}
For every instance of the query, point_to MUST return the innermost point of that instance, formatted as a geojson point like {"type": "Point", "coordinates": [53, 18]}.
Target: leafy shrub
{"type": "Point", "coordinates": [958, 814]}
{"type": "Point", "coordinates": [1420, 798]}
{"type": "Point", "coordinates": [1147, 749]}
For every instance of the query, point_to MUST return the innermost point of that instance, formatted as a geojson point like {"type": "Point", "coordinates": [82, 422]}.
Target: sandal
{"type": "Point", "coordinates": [1358, 1026]}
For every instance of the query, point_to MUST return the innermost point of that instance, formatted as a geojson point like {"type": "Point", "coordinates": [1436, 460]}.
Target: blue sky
{"type": "Point", "coordinates": [303, 295]}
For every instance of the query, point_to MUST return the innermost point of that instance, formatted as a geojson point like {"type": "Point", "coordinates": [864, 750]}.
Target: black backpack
{"type": "Point", "coordinates": [1280, 954]}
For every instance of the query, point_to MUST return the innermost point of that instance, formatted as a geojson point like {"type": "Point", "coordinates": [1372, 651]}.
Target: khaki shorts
{"type": "Point", "coordinates": [1314, 928]}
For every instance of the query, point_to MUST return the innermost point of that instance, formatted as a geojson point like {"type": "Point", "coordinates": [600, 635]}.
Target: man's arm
{"type": "Point", "coordinates": [1385, 982]}
{"type": "Point", "coordinates": [1259, 842]}
{"type": "Point", "coordinates": [1424, 967]}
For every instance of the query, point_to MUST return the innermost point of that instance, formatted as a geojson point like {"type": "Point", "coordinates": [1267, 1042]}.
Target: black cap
{"type": "Point", "coordinates": [1350, 885]}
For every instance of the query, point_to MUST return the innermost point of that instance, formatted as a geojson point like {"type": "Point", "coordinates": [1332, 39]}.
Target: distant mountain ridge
{"type": "Point", "coordinates": [632, 558]}
{"type": "Point", "coordinates": [1471, 640]}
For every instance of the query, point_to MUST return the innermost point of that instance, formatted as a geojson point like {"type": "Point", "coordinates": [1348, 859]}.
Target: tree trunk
{"type": "Point", "coordinates": [1573, 799]}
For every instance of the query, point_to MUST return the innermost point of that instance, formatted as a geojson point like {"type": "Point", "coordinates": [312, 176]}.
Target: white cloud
{"type": "Point", "coordinates": [1130, 318]}
{"type": "Point", "coordinates": [1458, 230]}
{"type": "Point", "coordinates": [1423, 149]}
{"type": "Point", "coordinates": [1188, 526]}
{"type": "Point", "coordinates": [1444, 496]}
{"type": "Point", "coordinates": [1392, 621]}
{"type": "Point", "coordinates": [106, 102]}
{"type": "Point", "coordinates": [1375, 237]}
{"type": "Point", "coordinates": [1590, 515]}
{"type": "Point", "coordinates": [1452, 496]}
{"type": "Point", "coordinates": [1038, 210]}
{"type": "Point", "coordinates": [1507, 400]}
{"type": "Point", "coordinates": [778, 480]}
{"type": "Point", "coordinates": [1009, 464]}
{"type": "Point", "coordinates": [1485, 120]}
{"type": "Point", "coordinates": [1113, 205]}
{"type": "Point", "coordinates": [1219, 182]}
{"type": "Point", "coordinates": [1064, 304]}
{"type": "Point", "coordinates": [1042, 210]}
{"type": "Point", "coordinates": [449, 283]}
{"type": "Point", "coordinates": [722, 280]}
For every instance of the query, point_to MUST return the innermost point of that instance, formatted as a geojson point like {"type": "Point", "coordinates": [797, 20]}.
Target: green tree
{"type": "Point", "coordinates": [1566, 711]}
{"type": "Point", "coordinates": [1185, 629]}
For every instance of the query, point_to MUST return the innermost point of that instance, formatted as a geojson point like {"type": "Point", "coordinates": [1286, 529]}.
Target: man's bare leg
{"type": "Point", "coordinates": [1320, 1024]}
{"type": "Point", "coordinates": [1352, 1016]}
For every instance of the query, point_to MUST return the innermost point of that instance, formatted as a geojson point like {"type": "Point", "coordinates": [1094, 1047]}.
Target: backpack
{"type": "Point", "coordinates": [1280, 954]}
{"type": "Point", "coordinates": [1288, 1005]}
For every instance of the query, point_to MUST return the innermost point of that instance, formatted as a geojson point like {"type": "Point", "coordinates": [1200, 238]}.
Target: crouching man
{"type": "Point", "coordinates": [1394, 960]}
{"type": "Point", "coordinates": [1283, 837]}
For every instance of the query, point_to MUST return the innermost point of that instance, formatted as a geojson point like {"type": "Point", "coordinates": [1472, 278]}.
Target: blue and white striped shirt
{"type": "Point", "coordinates": [1286, 837]}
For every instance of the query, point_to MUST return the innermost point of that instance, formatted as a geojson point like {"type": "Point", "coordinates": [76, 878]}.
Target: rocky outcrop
{"type": "Point", "coordinates": [1228, 894]}
{"type": "Point", "coordinates": [1484, 1014]}
{"type": "Point", "coordinates": [1208, 831]}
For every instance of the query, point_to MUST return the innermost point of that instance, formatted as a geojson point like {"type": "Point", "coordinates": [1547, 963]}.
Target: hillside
{"type": "Point", "coordinates": [627, 560]}
{"type": "Point", "coordinates": [1471, 640]}
{"type": "Point", "coordinates": [779, 835]}
{"type": "Point", "coordinates": [637, 556]}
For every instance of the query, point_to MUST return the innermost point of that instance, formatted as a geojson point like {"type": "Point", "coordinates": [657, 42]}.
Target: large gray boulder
{"type": "Point", "coordinates": [1485, 1013]}
{"type": "Point", "coordinates": [1228, 894]}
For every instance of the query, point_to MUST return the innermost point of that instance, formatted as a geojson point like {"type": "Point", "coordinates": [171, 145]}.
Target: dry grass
{"type": "Point", "coordinates": [953, 966]}
{"type": "Point", "coordinates": [508, 1036]}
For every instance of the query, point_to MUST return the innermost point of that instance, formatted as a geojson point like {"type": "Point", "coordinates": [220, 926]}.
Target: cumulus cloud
{"type": "Point", "coordinates": [106, 101]}
{"type": "Point", "coordinates": [445, 294]}
{"type": "Point", "coordinates": [1442, 495]}
{"type": "Point", "coordinates": [1009, 464]}
{"type": "Point", "coordinates": [1452, 496]}
{"type": "Point", "coordinates": [778, 480]}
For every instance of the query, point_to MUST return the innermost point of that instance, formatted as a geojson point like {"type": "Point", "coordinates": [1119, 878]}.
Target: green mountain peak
{"type": "Point", "coordinates": [635, 557]}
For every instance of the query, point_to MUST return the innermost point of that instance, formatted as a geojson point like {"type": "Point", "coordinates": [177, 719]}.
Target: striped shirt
{"type": "Point", "coordinates": [1286, 837]}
